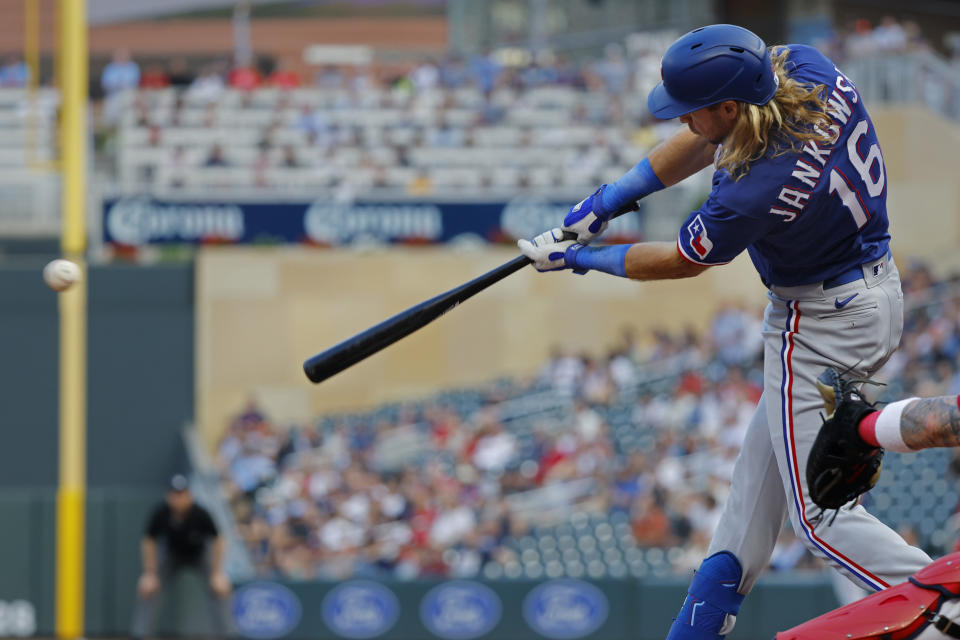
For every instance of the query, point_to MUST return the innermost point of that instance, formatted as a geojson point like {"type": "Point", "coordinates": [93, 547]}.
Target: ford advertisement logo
{"type": "Point", "coordinates": [265, 610]}
{"type": "Point", "coordinates": [360, 609]}
{"type": "Point", "coordinates": [565, 609]}
{"type": "Point", "coordinates": [460, 610]}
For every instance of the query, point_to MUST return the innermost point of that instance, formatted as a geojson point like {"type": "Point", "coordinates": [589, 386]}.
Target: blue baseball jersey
{"type": "Point", "coordinates": [803, 216]}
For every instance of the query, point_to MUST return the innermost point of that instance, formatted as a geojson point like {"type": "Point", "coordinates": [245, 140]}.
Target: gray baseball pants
{"type": "Point", "coordinates": [807, 329]}
{"type": "Point", "coordinates": [146, 610]}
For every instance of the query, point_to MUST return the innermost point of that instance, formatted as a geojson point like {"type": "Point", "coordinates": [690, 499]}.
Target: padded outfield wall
{"type": "Point", "coordinates": [453, 610]}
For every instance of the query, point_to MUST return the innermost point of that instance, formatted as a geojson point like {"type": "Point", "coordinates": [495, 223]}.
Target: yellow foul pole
{"type": "Point", "coordinates": [72, 56]}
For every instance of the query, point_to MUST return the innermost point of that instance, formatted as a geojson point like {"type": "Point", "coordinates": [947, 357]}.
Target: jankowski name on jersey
{"type": "Point", "coordinates": [808, 170]}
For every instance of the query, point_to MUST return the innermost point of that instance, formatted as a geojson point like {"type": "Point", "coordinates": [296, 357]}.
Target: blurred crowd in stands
{"type": "Point", "coordinates": [861, 39]}
{"type": "Point", "coordinates": [14, 73]}
{"type": "Point", "coordinates": [614, 72]}
{"type": "Point", "coordinates": [361, 127]}
{"type": "Point", "coordinates": [500, 121]}
{"type": "Point", "coordinates": [928, 361]}
{"type": "Point", "coordinates": [348, 129]}
{"type": "Point", "coordinates": [646, 434]}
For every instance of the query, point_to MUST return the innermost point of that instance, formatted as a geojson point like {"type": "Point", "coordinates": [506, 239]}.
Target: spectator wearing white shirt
{"type": "Point", "coordinates": [495, 449]}
{"type": "Point", "coordinates": [623, 371]}
{"type": "Point", "coordinates": [425, 77]}
{"type": "Point", "coordinates": [587, 422]}
{"type": "Point", "coordinates": [890, 36]}
{"type": "Point", "coordinates": [453, 522]}
{"type": "Point", "coordinates": [208, 86]}
{"type": "Point", "coordinates": [339, 534]}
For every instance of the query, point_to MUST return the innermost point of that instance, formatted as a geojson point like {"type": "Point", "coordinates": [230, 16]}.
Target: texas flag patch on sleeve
{"type": "Point", "coordinates": [699, 240]}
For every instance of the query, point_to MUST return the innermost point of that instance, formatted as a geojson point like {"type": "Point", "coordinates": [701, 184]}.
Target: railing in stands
{"type": "Point", "coordinates": [912, 78]}
{"type": "Point", "coordinates": [205, 485]}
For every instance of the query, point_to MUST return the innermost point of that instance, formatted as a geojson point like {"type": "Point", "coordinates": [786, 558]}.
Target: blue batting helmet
{"type": "Point", "coordinates": [710, 65]}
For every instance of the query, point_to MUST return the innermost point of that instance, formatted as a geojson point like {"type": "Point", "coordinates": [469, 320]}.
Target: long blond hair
{"type": "Point", "coordinates": [796, 114]}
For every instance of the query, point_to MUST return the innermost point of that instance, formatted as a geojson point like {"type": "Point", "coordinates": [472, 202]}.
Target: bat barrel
{"type": "Point", "coordinates": [359, 347]}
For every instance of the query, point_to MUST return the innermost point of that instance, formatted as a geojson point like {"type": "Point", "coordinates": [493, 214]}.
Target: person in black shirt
{"type": "Point", "coordinates": [180, 534]}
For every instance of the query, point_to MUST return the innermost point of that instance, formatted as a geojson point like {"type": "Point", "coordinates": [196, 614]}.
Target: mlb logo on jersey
{"type": "Point", "coordinates": [699, 241]}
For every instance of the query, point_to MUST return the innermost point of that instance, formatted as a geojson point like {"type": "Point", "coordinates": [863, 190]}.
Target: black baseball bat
{"type": "Point", "coordinates": [363, 345]}
{"type": "Point", "coordinates": [352, 350]}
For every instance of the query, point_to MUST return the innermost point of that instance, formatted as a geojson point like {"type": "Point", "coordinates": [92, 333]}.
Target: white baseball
{"type": "Point", "coordinates": [60, 274]}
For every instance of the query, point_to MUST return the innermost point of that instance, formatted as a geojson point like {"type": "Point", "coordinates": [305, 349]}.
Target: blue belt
{"type": "Point", "coordinates": [850, 275]}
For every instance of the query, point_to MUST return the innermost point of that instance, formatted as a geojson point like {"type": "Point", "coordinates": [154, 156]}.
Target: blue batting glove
{"type": "Point", "coordinates": [589, 218]}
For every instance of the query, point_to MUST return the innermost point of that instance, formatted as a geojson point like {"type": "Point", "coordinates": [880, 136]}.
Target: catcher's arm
{"type": "Point", "coordinates": [842, 464]}
{"type": "Point", "coordinates": [931, 422]}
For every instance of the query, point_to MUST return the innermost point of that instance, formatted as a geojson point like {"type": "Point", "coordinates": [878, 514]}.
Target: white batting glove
{"type": "Point", "coordinates": [547, 250]}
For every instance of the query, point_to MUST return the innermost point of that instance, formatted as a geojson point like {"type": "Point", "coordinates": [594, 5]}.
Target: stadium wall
{"type": "Point", "coordinates": [140, 395]}
{"type": "Point", "coordinates": [115, 519]}
{"type": "Point", "coordinates": [204, 38]}
{"type": "Point", "coordinates": [140, 374]}
{"type": "Point", "coordinates": [391, 610]}
{"type": "Point", "coordinates": [28, 342]}
{"type": "Point", "coordinates": [923, 199]}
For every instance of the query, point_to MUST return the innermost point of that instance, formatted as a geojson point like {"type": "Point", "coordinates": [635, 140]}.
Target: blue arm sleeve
{"type": "Point", "coordinates": [612, 259]}
{"type": "Point", "coordinates": [637, 183]}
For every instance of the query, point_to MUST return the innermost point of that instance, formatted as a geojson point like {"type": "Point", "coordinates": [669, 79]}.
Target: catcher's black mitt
{"type": "Point", "coordinates": [841, 465]}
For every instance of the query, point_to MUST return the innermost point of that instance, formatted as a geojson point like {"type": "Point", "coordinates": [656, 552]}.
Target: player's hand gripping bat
{"type": "Point", "coordinates": [352, 350]}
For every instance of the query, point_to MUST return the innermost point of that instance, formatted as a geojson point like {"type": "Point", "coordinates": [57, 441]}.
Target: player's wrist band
{"type": "Point", "coordinates": [612, 259]}
{"type": "Point", "coordinates": [887, 428]}
{"type": "Point", "coordinates": [635, 184]}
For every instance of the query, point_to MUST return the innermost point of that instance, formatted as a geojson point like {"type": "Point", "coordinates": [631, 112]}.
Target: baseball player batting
{"type": "Point", "coordinates": [800, 184]}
